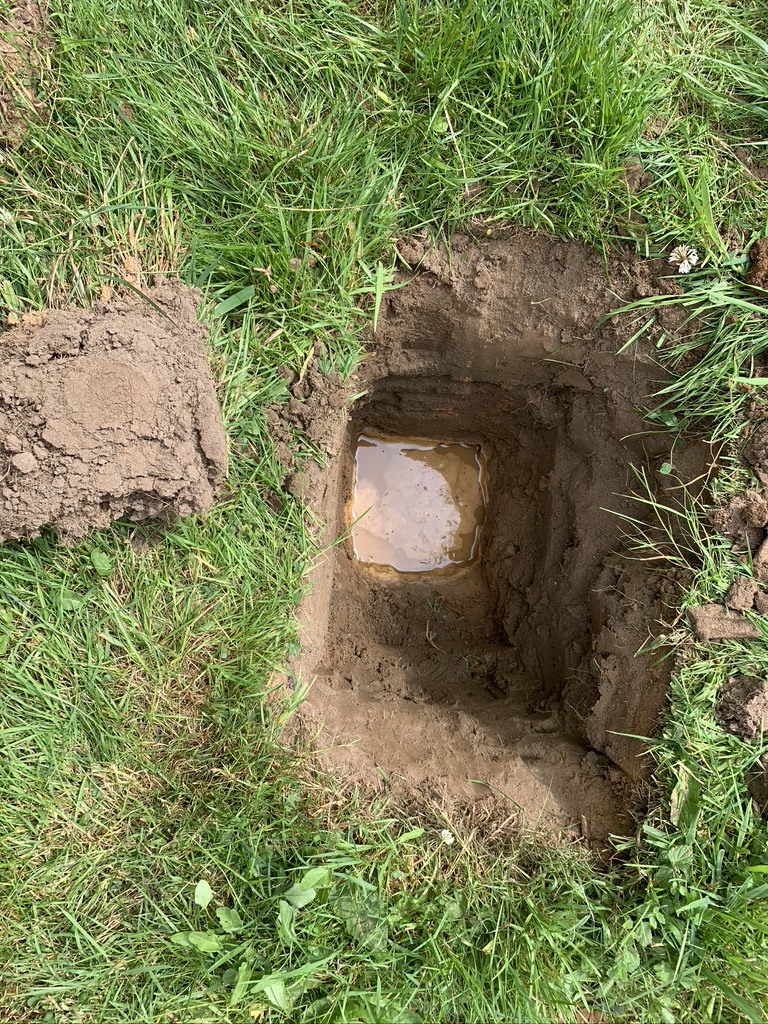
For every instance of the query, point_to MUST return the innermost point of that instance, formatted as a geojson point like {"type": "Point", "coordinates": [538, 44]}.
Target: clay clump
{"type": "Point", "coordinates": [513, 673]}
{"type": "Point", "coordinates": [711, 622]}
{"type": "Point", "coordinates": [108, 412]}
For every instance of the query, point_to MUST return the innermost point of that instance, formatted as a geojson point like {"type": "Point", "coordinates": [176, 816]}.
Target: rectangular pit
{"type": "Point", "coordinates": [512, 674]}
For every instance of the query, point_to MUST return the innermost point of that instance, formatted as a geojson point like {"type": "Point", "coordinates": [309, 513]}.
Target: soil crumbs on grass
{"type": "Point", "coordinates": [17, 63]}
{"type": "Point", "coordinates": [515, 675]}
{"type": "Point", "coordinates": [106, 412]}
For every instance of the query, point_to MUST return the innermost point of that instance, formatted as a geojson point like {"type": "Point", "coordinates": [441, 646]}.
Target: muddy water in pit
{"type": "Point", "coordinates": [417, 505]}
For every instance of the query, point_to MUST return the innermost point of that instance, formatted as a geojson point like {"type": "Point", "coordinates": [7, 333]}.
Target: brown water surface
{"type": "Point", "coordinates": [418, 505]}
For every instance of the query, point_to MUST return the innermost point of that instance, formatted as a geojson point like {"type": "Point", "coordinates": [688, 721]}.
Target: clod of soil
{"type": "Point", "coordinates": [515, 674]}
{"type": "Point", "coordinates": [742, 708]}
{"type": "Point", "coordinates": [745, 516]}
{"type": "Point", "coordinates": [756, 454]}
{"type": "Point", "coordinates": [106, 412]}
{"type": "Point", "coordinates": [741, 594]}
{"type": "Point", "coordinates": [713, 622]}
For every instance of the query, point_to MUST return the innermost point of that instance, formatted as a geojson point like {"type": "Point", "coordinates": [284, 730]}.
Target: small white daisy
{"type": "Point", "coordinates": [684, 257]}
{"type": "Point", "coordinates": [447, 836]}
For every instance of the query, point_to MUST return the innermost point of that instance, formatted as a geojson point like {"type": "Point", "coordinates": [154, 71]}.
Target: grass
{"type": "Point", "coordinates": [715, 356]}
{"type": "Point", "coordinates": [268, 153]}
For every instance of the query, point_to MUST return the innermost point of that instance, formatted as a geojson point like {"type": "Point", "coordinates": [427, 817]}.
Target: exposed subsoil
{"type": "Point", "coordinates": [106, 412]}
{"type": "Point", "coordinates": [516, 675]}
{"type": "Point", "coordinates": [20, 37]}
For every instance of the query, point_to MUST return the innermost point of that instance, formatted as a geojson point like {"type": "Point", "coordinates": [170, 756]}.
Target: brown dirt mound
{"type": "Point", "coordinates": [516, 674]}
{"type": "Point", "coordinates": [757, 274]}
{"type": "Point", "coordinates": [742, 707]}
{"type": "Point", "coordinates": [741, 514]}
{"type": "Point", "coordinates": [18, 35]}
{"type": "Point", "coordinates": [106, 412]}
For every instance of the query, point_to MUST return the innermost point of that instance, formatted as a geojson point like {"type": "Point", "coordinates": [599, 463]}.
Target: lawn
{"type": "Point", "coordinates": [164, 858]}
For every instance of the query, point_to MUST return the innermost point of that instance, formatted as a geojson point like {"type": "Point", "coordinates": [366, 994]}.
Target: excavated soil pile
{"type": "Point", "coordinates": [515, 674]}
{"type": "Point", "coordinates": [106, 412]}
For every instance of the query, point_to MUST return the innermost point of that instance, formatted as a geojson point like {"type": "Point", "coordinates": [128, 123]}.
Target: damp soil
{"type": "Point", "coordinates": [515, 676]}
{"type": "Point", "coordinates": [108, 412]}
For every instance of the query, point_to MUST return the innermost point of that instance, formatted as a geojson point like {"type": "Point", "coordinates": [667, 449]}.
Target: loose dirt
{"type": "Point", "coordinates": [106, 412]}
{"type": "Point", "coordinates": [516, 675]}
{"type": "Point", "coordinates": [741, 594]}
{"type": "Point", "coordinates": [757, 273]}
{"type": "Point", "coordinates": [19, 64]}
{"type": "Point", "coordinates": [745, 516]}
{"type": "Point", "coordinates": [713, 622]}
{"type": "Point", "coordinates": [742, 708]}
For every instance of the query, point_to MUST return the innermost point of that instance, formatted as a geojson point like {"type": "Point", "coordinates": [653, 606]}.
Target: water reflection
{"type": "Point", "coordinates": [417, 505]}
